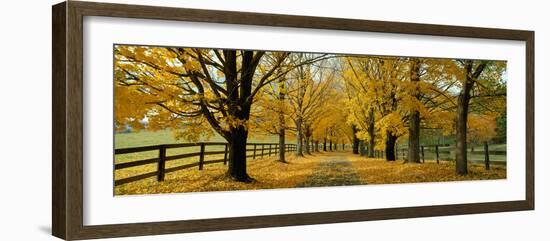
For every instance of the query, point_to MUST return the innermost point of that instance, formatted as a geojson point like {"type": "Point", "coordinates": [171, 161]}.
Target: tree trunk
{"type": "Point", "coordinates": [306, 141]}
{"type": "Point", "coordinates": [282, 145]}
{"type": "Point", "coordinates": [414, 138]}
{"type": "Point", "coordinates": [299, 138]}
{"type": "Point", "coordinates": [238, 107]}
{"type": "Point", "coordinates": [355, 144]}
{"type": "Point", "coordinates": [237, 154]}
{"type": "Point", "coordinates": [325, 144]}
{"type": "Point", "coordinates": [371, 130]}
{"type": "Point", "coordinates": [414, 120]}
{"type": "Point", "coordinates": [391, 139]}
{"type": "Point", "coordinates": [282, 133]}
{"type": "Point", "coordinates": [462, 115]}
{"type": "Point", "coordinates": [370, 147]}
{"type": "Point", "coordinates": [316, 146]}
{"type": "Point", "coordinates": [362, 149]}
{"type": "Point", "coordinates": [330, 145]}
{"type": "Point", "coordinates": [461, 134]}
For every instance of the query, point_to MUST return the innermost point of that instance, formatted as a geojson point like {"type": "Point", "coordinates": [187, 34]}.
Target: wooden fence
{"type": "Point", "coordinates": [258, 150]}
{"type": "Point", "coordinates": [436, 149]}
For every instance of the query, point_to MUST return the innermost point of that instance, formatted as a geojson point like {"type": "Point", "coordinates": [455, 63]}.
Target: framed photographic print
{"type": "Point", "coordinates": [171, 120]}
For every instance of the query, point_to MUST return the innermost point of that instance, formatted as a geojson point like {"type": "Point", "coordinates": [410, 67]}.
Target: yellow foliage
{"type": "Point", "coordinates": [481, 127]}
{"type": "Point", "coordinates": [167, 87]}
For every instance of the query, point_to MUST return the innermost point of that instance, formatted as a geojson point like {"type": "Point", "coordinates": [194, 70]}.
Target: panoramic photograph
{"type": "Point", "coordinates": [190, 119]}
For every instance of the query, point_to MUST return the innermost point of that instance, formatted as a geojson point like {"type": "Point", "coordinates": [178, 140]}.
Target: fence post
{"type": "Point", "coordinates": [269, 150]}
{"type": "Point", "coordinates": [262, 151]}
{"type": "Point", "coordinates": [201, 157]}
{"type": "Point", "coordinates": [487, 162]}
{"type": "Point", "coordinates": [422, 153]}
{"type": "Point", "coordinates": [161, 163]}
{"type": "Point", "coordinates": [225, 155]}
{"type": "Point", "coordinates": [254, 152]}
{"type": "Point", "coordinates": [437, 154]}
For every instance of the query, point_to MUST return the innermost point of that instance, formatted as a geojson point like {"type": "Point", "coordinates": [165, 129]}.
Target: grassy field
{"type": "Point", "coordinates": [147, 138]}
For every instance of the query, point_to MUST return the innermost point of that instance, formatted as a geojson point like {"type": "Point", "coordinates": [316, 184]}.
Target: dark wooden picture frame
{"type": "Point", "coordinates": [67, 150]}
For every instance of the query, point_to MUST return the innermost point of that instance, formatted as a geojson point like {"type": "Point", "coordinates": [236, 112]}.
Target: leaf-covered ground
{"type": "Point", "coordinates": [333, 171]}
{"type": "Point", "coordinates": [268, 174]}
{"type": "Point", "coordinates": [321, 169]}
{"type": "Point", "coordinates": [378, 171]}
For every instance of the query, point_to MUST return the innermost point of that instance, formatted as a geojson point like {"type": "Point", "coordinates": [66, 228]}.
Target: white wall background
{"type": "Point", "coordinates": [25, 119]}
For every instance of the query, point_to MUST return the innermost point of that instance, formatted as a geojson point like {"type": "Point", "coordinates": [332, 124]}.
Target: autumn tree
{"type": "Point", "coordinates": [271, 102]}
{"type": "Point", "coordinates": [281, 117]}
{"type": "Point", "coordinates": [310, 88]}
{"type": "Point", "coordinates": [358, 79]}
{"type": "Point", "coordinates": [194, 91]}
{"type": "Point", "coordinates": [378, 80]}
{"type": "Point", "coordinates": [426, 99]}
{"type": "Point", "coordinates": [480, 79]}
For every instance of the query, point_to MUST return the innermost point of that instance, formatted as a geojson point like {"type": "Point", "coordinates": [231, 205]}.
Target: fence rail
{"type": "Point", "coordinates": [437, 151]}
{"type": "Point", "coordinates": [258, 150]}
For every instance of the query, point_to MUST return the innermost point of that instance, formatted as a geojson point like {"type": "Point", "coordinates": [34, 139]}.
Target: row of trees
{"type": "Point", "coordinates": [394, 97]}
{"type": "Point", "coordinates": [308, 104]}
{"type": "Point", "coordinates": [311, 98]}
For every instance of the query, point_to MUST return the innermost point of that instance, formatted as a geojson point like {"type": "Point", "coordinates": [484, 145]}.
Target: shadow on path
{"type": "Point", "coordinates": [333, 171]}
